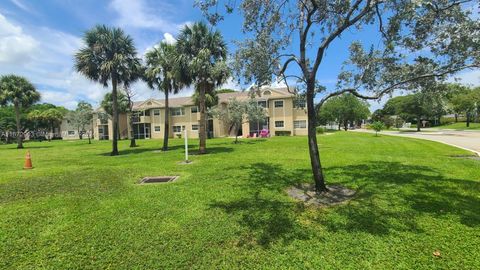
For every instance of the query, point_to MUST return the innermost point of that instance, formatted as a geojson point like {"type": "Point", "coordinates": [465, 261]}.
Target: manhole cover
{"type": "Point", "coordinates": [158, 179]}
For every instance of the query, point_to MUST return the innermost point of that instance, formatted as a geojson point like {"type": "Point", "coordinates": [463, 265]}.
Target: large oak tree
{"type": "Point", "coordinates": [412, 41]}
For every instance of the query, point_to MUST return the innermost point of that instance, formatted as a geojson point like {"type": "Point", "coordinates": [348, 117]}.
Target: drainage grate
{"type": "Point", "coordinates": [158, 179]}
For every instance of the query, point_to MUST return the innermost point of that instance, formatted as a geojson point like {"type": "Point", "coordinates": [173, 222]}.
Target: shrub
{"type": "Point", "coordinates": [320, 130]}
{"type": "Point", "coordinates": [283, 133]}
{"type": "Point", "coordinates": [377, 126]}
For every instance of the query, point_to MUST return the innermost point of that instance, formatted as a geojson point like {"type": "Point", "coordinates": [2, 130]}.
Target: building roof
{"type": "Point", "coordinates": [222, 98]}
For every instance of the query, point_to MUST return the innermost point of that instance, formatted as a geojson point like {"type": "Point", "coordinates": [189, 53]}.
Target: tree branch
{"type": "Point", "coordinates": [392, 87]}
{"type": "Point", "coordinates": [347, 23]}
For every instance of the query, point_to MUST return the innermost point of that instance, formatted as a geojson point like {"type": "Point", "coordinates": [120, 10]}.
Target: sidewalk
{"type": "Point", "coordinates": [467, 140]}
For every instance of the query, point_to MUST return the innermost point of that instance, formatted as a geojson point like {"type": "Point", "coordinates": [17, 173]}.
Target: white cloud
{"type": "Point", "coordinates": [168, 38]}
{"type": "Point", "coordinates": [65, 99]}
{"type": "Point", "coordinates": [45, 57]}
{"type": "Point", "coordinates": [136, 14]}
{"type": "Point", "coordinates": [22, 6]}
{"type": "Point", "coordinates": [16, 47]}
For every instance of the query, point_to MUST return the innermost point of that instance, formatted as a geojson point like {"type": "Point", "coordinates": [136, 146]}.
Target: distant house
{"type": "Point", "coordinates": [68, 132]}
{"type": "Point", "coordinates": [149, 115]}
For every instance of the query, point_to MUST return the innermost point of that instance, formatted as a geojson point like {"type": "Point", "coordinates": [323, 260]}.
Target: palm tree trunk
{"type": "Point", "coordinates": [115, 116]}
{"type": "Point", "coordinates": [166, 130]}
{"type": "Point", "coordinates": [312, 142]}
{"type": "Point", "coordinates": [19, 128]}
{"type": "Point", "coordinates": [203, 123]}
{"type": "Point", "coordinates": [133, 143]}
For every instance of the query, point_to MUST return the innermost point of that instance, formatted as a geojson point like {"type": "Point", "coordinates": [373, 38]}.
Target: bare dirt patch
{"type": "Point", "coordinates": [306, 193]}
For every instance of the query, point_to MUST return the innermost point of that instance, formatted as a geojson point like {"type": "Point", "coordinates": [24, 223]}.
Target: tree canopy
{"type": "Point", "coordinates": [109, 56]}
{"type": "Point", "coordinates": [344, 109]}
{"type": "Point", "coordinates": [107, 105]}
{"type": "Point", "coordinates": [203, 55]}
{"type": "Point", "coordinates": [415, 41]}
{"type": "Point", "coordinates": [81, 118]}
{"type": "Point", "coordinates": [20, 93]}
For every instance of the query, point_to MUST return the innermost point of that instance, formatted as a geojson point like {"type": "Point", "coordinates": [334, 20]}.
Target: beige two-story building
{"type": "Point", "coordinates": [283, 117]}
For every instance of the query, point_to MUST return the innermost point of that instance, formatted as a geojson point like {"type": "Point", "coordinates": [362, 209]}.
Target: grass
{"type": "Point", "coordinates": [81, 209]}
{"type": "Point", "coordinates": [460, 126]}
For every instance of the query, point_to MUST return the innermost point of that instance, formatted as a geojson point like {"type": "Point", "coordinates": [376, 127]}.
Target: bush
{"type": "Point", "coordinates": [283, 133]}
{"type": "Point", "coordinates": [321, 130]}
{"type": "Point", "coordinates": [377, 126]}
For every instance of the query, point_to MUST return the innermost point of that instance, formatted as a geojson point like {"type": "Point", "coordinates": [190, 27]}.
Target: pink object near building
{"type": "Point", "coordinates": [264, 133]}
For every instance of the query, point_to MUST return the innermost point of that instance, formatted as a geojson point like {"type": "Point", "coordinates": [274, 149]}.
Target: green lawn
{"type": "Point", "coordinates": [461, 126]}
{"type": "Point", "coordinates": [81, 209]}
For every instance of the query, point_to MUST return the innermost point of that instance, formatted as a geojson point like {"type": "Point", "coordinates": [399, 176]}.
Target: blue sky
{"type": "Point", "coordinates": [39, 38]}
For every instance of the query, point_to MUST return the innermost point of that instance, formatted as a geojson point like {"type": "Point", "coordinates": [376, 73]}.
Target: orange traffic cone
{"type": "Point", "coordinates": [28, 161]}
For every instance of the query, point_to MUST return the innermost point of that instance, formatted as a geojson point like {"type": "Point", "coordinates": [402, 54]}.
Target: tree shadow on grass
{"type": "Point", "coordinates": [212, 150]}
{"type": "Point", "coordinates": [392, 195]}
{"type": "Point", "coordinates": [269, 217]}
{"type": "Point", "coordinates": [26, 147]}
{"type": "Point", "coordinates": [391, 198]}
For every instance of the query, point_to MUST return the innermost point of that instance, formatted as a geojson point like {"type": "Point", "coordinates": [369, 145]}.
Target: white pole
{"type": "Point", "coordinates": [186, 147]}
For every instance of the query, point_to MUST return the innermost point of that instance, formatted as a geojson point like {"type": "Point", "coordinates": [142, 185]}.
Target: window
{"type": "Point", "coordinates": [71, 132]}
{"type": "Point", "coordinates": [194, 127]}
{"type": "Point", "coordinates": [278, 103]}
{"type": "Point", "coordinates": [156, 112]}
{"type": "Point", "coordinates": [146, 113]}
{"type": "Point", "coordinates": [300, 103]}
{"type": "Point", "coordinates": [300, 124]}
{"type": "Point", "coordinates": [178, 111]}
{"type": "Point", "coordinates": [279, 124]}
{"type": "Point", "coordinates": [157, 128]}
{"type": "Point", "coordinates": [194, 109]}
{"type": "Point", "coordinates": [177, 129]}
{"type": "Point", "coordinates": [267, 93]}
{"type": "Point", "coordinates": [262, 103]}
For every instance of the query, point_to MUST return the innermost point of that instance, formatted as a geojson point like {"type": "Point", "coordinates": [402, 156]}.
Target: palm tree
{"type": "Point", "coordinates": [110, 56]}
{"type": "Point", "coordinates": [21, 93]}
{"type": "Point", "coordinates": [163, 72]}
{"type": "Point", "coordinates": [202, 54]}
{"type": "Point", "coordinates": [53, 118]}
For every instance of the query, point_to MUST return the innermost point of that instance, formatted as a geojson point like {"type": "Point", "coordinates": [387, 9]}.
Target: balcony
{"type": "Point", "coordinates": [141, 119]}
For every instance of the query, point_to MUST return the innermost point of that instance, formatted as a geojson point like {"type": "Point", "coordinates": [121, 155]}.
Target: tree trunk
{"type": "Point", "coordinates": [52, 130]}
{"type": "Point", "coordinates": [19, 128]}
{"type": "Point", "coordinates": [456, 117]}
{"type": "Point", "coordinates": [80, 134]}
{"type": "Point", "coordinates": [133, 143]}
{"type": "Point", "coordinates": [312, 141]}
{"type": "Point", "coordinates": [202, 132]}
{"type": "Point", "coordinates": [419, 123]}
{"type": "Point", "coordinates": [468, 119]}
{"type": "Point", "coordinates": [115, 116]}
{"type": "Point", "coordinates": [166, 130]}
{"type": "Point", "coordinates": [345, 125]}
{"type": "Point", "coordinates": [236, 134]}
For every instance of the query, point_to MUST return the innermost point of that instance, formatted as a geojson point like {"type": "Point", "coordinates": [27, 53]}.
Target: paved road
{"type": "Point", "coordinates": [469, 140]}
